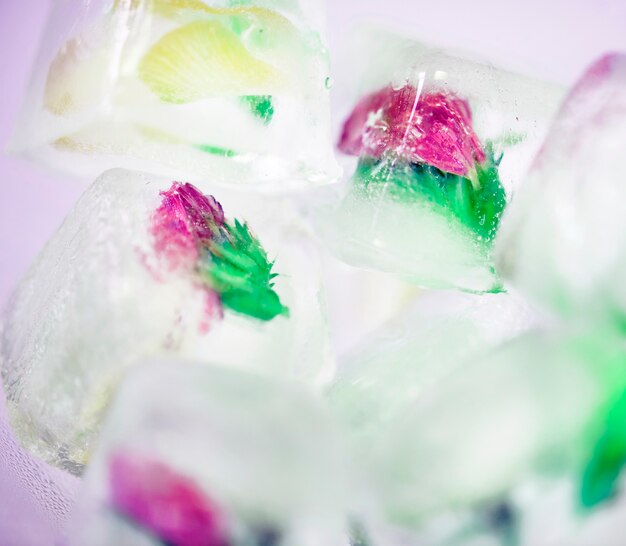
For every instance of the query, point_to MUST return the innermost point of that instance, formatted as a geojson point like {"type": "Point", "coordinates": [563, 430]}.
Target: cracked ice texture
{"type": "Point", "coordinates": [443, 142]}
{"type": "Point", "coordinates": [563, 240]}
{"type": "Point", "coordinates": [99, 296]}
{"type": "Point", "coordinates": [185, 88]}
{"type": "Point", "coordinates": [255, 456]}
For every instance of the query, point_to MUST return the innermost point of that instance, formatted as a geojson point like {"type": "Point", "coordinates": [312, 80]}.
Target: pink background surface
{"type": "Point", "coordinates": [552, 39]}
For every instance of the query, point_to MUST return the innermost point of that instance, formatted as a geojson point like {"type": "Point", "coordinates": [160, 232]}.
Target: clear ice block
{"type": "Point", "coordinates": [451, 466]}
{"type": "Point", "coordinates": [210, 456]}
{"type": "Point", "coordinates": [235, 90]}
{"type": "Point", "coordinates": [442, 143]}
{"type": "Point", "coordinates": [563, 240]}
{"type": "Point", "coordinates": [143, 266]}
{"type": "Point", "coordinates": [416, 351]}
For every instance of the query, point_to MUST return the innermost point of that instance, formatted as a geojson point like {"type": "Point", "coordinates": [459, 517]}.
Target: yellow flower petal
{"type": "Point", "coordinates": [203, 59]}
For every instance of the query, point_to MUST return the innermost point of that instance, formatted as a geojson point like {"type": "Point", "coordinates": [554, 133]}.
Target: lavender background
{"type": "Point", "coordinates": [552, 39]}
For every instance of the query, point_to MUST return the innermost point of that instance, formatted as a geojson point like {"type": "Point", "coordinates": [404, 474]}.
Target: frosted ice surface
{"type": "Point", "coordinates": [563, 240]}
{"type": "Point", "coordinates": [442, 142]}
{"type": "Point", "coordinates": [237, 90]}
{"type": "Point", "coordinates": [248, 458]}
{"type": "Point", "coordinates": [37, 499]}
{"type": "Point", "coordinates": [136, 270]}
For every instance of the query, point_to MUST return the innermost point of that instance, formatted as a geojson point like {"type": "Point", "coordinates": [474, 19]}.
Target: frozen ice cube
{"type": "Point", "coordinates": [563, 240]}
{"type": "Point", "coordinates": [236, 457]}
{"type": "Point", "coordinates": [378, 384]}
{"type": "Point", "coordinates": [143, 266]}
{"type": "Point", "coordinates": [534, 407]}
{"type": "Point", "coordinates": [442, 143]}
{"type": "Point", "coordinates": [234, 90]}
{"type": "Point", "coordinates": [417, 352]}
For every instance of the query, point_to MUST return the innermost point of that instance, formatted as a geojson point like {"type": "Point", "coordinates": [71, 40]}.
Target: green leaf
{"type": "Point", "coordinates": [238, 269]}
{"type": "Point", "coordinates": [601, 475]}
{"type": "Point", "coordinates": [215, 150]}
{"type": "Point", "coordinates": [478, 206]}
{"type": "Point", "coordinates": [261, 106]}
{"type": "Point", "coordinates": [262, 303]}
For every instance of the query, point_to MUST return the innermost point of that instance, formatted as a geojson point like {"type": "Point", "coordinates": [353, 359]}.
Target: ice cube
{"type": "Point", "coordinates": [563, 240]}
{"type": "Point", "coordinates": [142, 266]}
{"type": "Point", "coordinates": [230, 456]}
{"type": "Point", "coordinates": [234, 90]}
{"type": "Point", "coordinates": [533, 408]}
{"type": "Point", "coordinates": [442, 143]}
{"type": "Point", "coordinates": [418, 350]}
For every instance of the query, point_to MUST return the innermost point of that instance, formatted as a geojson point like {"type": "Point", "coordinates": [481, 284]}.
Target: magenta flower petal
{"type": "Point", "coordinates": [433, 128]}
{"type": "Point", "coordinates": [192, 236]}
{"type": "Point", "coordinates": [598, 76]}
{"type": "Point", "coordinates": [185, 220]}
{"type": "Point", "coordinates": [167, 504]}
{"type": "Point", "coordinates": [173, 236]}
{"type": "Point", "coordinates": [353, 132]}
{"type": "Point", "coordinates": [205, 214]}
